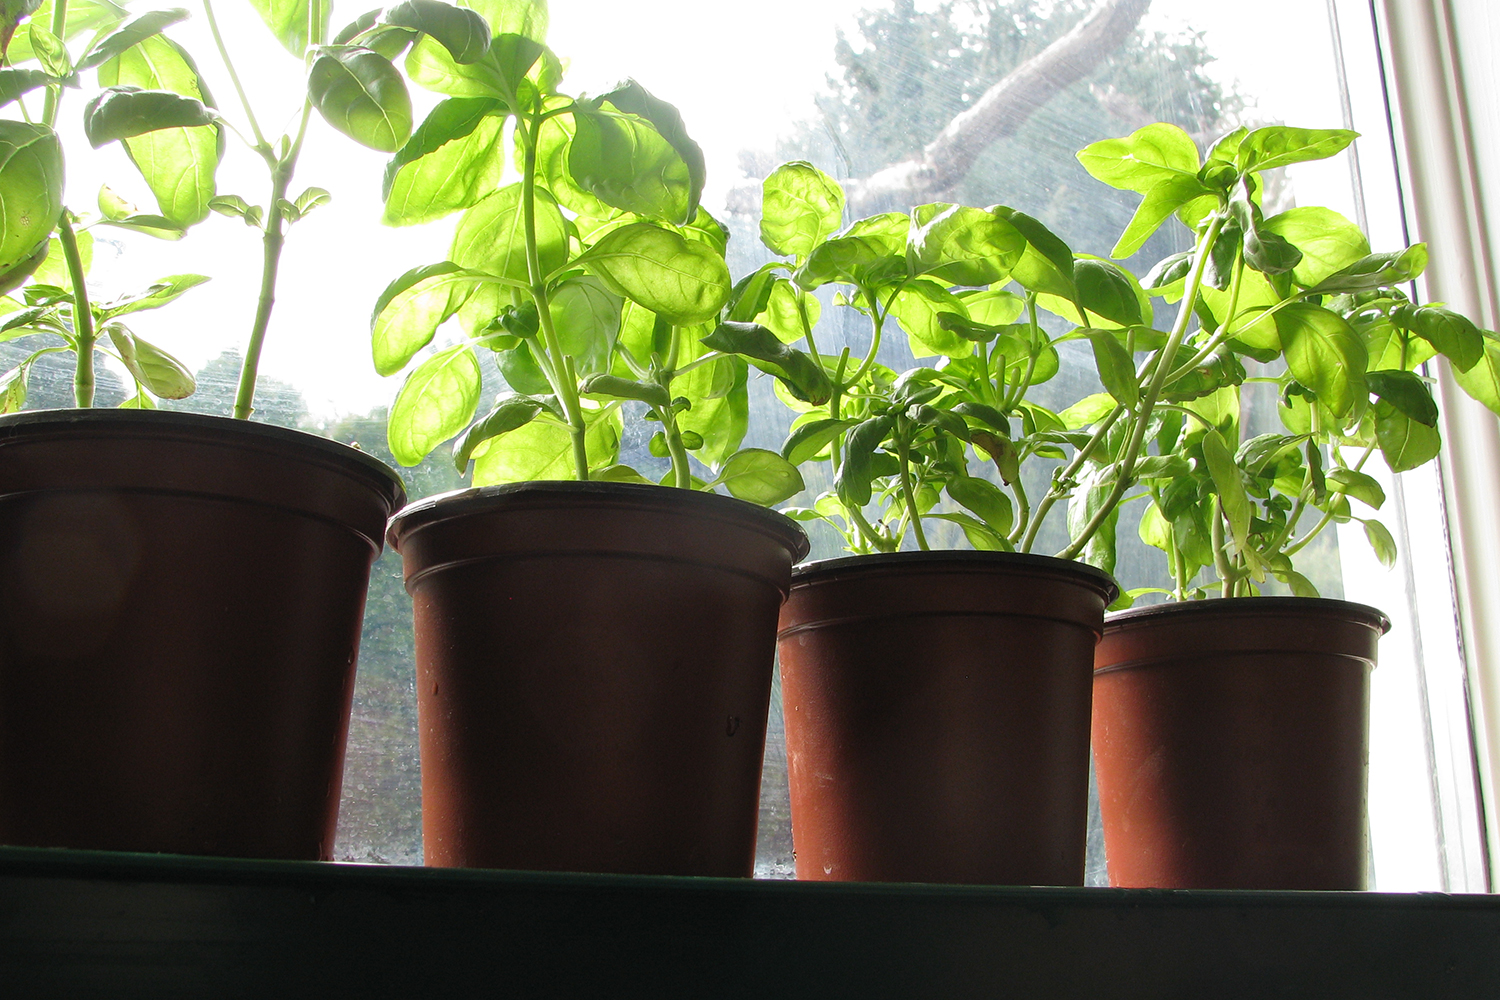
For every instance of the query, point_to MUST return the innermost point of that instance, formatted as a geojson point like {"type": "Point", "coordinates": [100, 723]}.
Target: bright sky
{"type": "Point", "coordinates": [741, 75]}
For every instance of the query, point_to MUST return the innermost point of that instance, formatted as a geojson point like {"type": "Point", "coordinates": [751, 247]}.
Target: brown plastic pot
{"type": "Point", "coordinates": [1231, 743]}
{"type": "Point", "coordinates": [937, 709]}
{"type": "Point", "coordinates": [593, 674]}
{"type": "Point", "coordinates": [180, 606]}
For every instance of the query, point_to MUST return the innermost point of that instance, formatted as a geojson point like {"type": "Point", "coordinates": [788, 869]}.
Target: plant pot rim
{"type": "Point", "coordinates": [643, 496]}
{"type": "Point", "coordinates": [245, 433]}
{"type": "Point", "coordinates": [960, 560]}
{"type": "Point", "coordinates": [1250, 607]}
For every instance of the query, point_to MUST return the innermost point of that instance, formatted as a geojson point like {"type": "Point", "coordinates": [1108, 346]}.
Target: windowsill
{"type": "Point", "coordinates": [85, 923]}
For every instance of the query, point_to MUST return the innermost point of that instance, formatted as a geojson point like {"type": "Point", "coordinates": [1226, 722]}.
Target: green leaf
{"type": "Point", "coordinates": [1482, 382]}
{"type": "Point", "coordinates": [288, 21]}
{"type": "Point", "coordinates": [31, 194]}
{"type": "Point", "coordinates": [1088, 410]}
{"type": "Point", "coordinates": [760, 476]}
{"type": "Point", "coordinates": [1162, 199]}
{"type": "Point", "coordinates": [720, 413]}
{"type": "Point", "coordinates": [626, 163]}
{"type": "Point", "coordinates": [527, 18]}
{"type": "Point", "coordinates": [1229, 484]}
{"type": "Point", "coordinates": [1083, 506]}
{"type": "Point", "coordinates": [125, 112]}
{"type": "Point", "coordinates": [800, 207]}
{"type": "Point", "coordinates": [132, 33]}
{"type": "Point", "coordinates": [13, 388]}
{"type": "Point", "coordinates": [491, 236]}
{"type": "Point", "coordinates": [83, 16]}
{"type": "Point", "coordinates": [49, 50]}
{"type": "Point", "coordinates": [437, 401]}
{"type": "Point", "coordinates": [985, 499]}
{"type": "Point", "coordinates": [1377, 270]}
{"type": "Point", "coordinates": [464, 33]}
{"type": "Point", "coordinates": [1357, 485]}
{"type": "Point", "coordinates": [801, 375]}
{"type": "Point", "coordinates": [962, 246]}
{"type": "Point", "coordinates": [633, 99]}
{"type": "Point", "coordinates": [867, 252]}
{"type": "Point", "coordinates": [1407, 392]}
{"type": "Point", "coordinates": [409, 311]}
{"type": "Point", "coordinates": [1278, 145]}
{"type": "Point", "coordinates": [154, 297]}
{"type": "Point", "coordinates": [586, 317]}
{"type": "Point", "coordinates": [1323, 353]}
{"type": "Point", "coordinates": [15, 276]}
{"type": "Point", "coordinates": [511, 412]}
{"type": "Point", "coordinates": [361, 94]}
{"type": "Point", "coordinates": [1143, 159]}
{"type": "Point", "coordinates": [178, 164]}
{"type": "Point", "coordinates": [1047, 264]}
{"type": "Point", "coordinates": [1405, 443]}
{"type": "Point", "coordinates": [156, 226]}
{"type": "Point", "coordinates": [543, 449]}
{"type": "Point", "coordinates": [855, 475]}
{"type": "Point", "coordinates": [1455, 336]}
{"type": "Point", "coordinates": [1381, 541]}
{"type": "Point", "coordinates": [1115, 367]}
{"type": "Point", "coordinates": [920, 307]}
{"type": "Point", "coordinates": [454, 159]}
{"type": "Point", "coordinates": [783, 311]}
{"type": "Point", "coordinates": [15, 82]}
{"type": "Point", "coordinates": [1391, 347]}
{"type": "Point", "coordinates": [152, 367]}
{"type": "Point", "coordinates": [683, 281]}
{"type": "Point", "coordinates": [1328, 241]}
{"type": "Point", "coordinates": [1110, 295]}
{"type": "Point", "coordinates": [808, 441]}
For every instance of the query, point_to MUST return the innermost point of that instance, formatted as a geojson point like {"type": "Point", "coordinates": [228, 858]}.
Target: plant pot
{"type": "Point", "coordinates": [593, 674]}
{"type": "Point", "coordinates": [937, 709]}
{"type": "Point", "coordinates": [1231, 743]}
{"type": "Point", "coordinates": [180, 606]}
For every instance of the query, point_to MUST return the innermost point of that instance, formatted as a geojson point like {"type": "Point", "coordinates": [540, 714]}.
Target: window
{"type": "Point", "coordinates": [856, 86]}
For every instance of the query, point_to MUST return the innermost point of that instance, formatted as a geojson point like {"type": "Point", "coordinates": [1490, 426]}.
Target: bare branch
{"type": "Point", "coordinates": [999, 112]}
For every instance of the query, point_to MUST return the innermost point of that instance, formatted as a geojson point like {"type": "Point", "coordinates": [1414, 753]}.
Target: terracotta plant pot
{"type": "Point", "coordinates": [937, 710]}
{"type": "Point", "coordinates": [180, 607]}
{"type": "Point", "coordinates": [1231, 743]}
{"type": "Point", "coordinates": [593, 674]}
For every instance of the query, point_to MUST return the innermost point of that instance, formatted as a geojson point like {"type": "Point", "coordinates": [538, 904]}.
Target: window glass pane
{"type": "Point", "coordinates": [907, 102]}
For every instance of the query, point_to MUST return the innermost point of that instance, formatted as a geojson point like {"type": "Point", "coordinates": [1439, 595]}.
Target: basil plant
{"type": "Point", "coordinates": [964, 286]}
{"type": "Point", "coordinates": [154, 102]}
{"type": "Point", "coordinates": [1296, 298]}
{"type": "Point", "coordinates": [582, 267]}
{"type": "Point", "coordinates": [45, 247]}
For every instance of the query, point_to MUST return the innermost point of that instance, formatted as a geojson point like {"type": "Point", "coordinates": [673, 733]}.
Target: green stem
{"type": "Point", "coordinates": [52, 97]}
{"type": "Point", "coordinates": [83, 315]}
{"type": "Point", "coordinates": [213, 26]}
{"type": "Point", "coordinates": [1082, 455]}
{"type": "Point", "coordinates": [1159, 372]}
{"type": "Point", "coordinates": [1023, 510]}
{"type": "Point", "coordinates": [1023, 384]}
{"type": "Point", "coordinates": [903, 456]}
{"type": "Point", "coordinates": [1221, 556]}
{"type": "Point", "coordinates": [566, 388]}
{"type": "Point", "coordinates": [271, 246]}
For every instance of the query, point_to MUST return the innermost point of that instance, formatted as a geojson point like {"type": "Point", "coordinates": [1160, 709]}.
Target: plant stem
{"type": "Point", "coordinates": [1159, 372]}
{"type": "Point", "coordinates": [1221, 557]}
{"type": "Point", "coordinates": [271, 244]}
{"type": "Point", "coordinates": [1082, 455]}
{"type": "Point", "coordinates": [83, 316]}
{"type": "Point", "coordinates": [1023, 510]}
{"type": "Point", "coordinates": [213, 26]}
{"type": "Point", "coordinates": [903, 456]}
{"type": "Point", "coordinates": [565, 387]}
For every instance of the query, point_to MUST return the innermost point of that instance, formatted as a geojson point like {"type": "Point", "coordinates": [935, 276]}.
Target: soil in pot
{"type": "Point", "coordinates": [1231, 744]}
{"type": "Point", "coordinates": [594, 667]}
{"type": "Point", "coordinates": [180, 607]}
{"type": "Point", "coordinates": [937, 710]}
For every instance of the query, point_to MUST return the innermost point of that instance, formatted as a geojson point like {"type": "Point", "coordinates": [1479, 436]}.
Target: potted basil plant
{"type": "Point", "coordinates": [1230, 735]}
{"type": "Point", "coordinates": [936, 702]}
{"type": "Point", "coordinates": [182, 593]}
{"type": "Point", "coordinates": [594, 650]}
